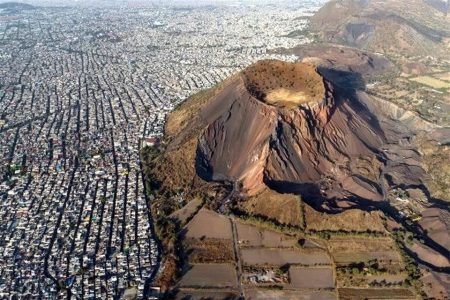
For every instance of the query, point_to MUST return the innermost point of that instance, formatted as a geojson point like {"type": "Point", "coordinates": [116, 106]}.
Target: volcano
{"type": "Point", "coordinates": [280, 130]}
{"type": "Point", "coordinates": [287, 127]}
{"type": "Point", "coordinates": [293, 128]}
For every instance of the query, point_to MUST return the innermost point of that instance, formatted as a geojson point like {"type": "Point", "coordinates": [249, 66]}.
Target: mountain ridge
{"type": "Point", "coordinates": [415, 27]}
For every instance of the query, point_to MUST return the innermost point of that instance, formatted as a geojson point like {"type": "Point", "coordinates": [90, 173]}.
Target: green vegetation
{"type": "Point", "coordinates": [327, 234]}
{"type": "Point", "coordinates": [148, 156]}
{"type": "Point", "coordinates": [165, 228]}
{"type": "Point", "coordinates": [265, 222]}
{"type": "Point", "coordinates": [432, 82]}
{"type": "Point", "coordinates": [411, 267]}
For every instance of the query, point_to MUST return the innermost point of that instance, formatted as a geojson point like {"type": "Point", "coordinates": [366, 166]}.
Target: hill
{"type": "Point", "coordinates": [16, 5]}
{"type": "Point", "coordinates": [279, 132]}
{"type": "Point", "coordinates": [408, 28]}
{"type": "Point", "coordinates": [441, 5]}
{"type": "Point", "coordinates": [9, 8]}
{"type": "Point", "coordinates": [291, 128]}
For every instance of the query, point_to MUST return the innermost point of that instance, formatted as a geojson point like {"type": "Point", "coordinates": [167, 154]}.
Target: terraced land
{"type": "Point", "coordinates": [432, 82]}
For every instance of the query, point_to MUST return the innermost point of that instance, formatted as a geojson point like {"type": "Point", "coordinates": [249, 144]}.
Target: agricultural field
{"type": "Point", "coordinates": [183, 214]}
{"type": "Point", "coordinates": [272, 206]}
{"type": "Point", "coordinates": [196, 294]}
{"type": "Point", "coordinates": [280, 257]}
{"type": "Point", "coordinates": [431, 82]}
{"type": "Point", "coordinates": [357, 259]}
{"type": "Point", "coordinates": [443, 76]}
{"type": "Point", "coordinates": [265, 294]}
{"type": "Point", "coordinates": [369, 294]}
{"type": "Point", "coordinates": [210, 275]}
{"type": "Point", "coordinates": [346, 258]}
{"type": "Point", "coordinates": [390, 279]}
{"type": "Point", "coordinates": [279, 261]}
{"type": "Point", "coordinates": [209, 250]}
{"type": "Point", "coordinates": [429, 102]}
{"type": "Point", "coordinates": [367, 275]}
{"type": "Point", "coordinates": [439, 181]}
{"type": "Point", "coordinates": [209, 224]}
{"type": "Point", "coordinates": [347, 250]}
{"type": "Point", "coordinates": [209, 260]}
{"type": "Point", "coordinates": [252, 236]}
{"type": "Point", "coordinates": [311, 278]}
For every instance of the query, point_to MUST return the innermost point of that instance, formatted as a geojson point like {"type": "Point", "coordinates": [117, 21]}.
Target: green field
{"type": "Point", "coordinates": [432, 82]}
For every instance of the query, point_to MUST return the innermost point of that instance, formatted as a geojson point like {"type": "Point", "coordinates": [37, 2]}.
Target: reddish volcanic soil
{"type": "Point", "coordinates": [326, 143]}
{"type": "Point", "coordinates": [294, 129]}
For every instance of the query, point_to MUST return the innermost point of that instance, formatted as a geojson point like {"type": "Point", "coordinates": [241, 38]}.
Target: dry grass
{"type": "Point", "coordinates": [307, 278]}
{"type": "Point", "coordinates": [209, 224]}
{"type": "Point", "coordinates": [443, 76]}
{"type": "Point", "coordinates": [354, 220]}
{"type": "Point", "coordinates": [432, 82]}
{"type": "Point", "coordinates": [183, 116]}
{"type": "Point", "coordinates": [165, 279]}
{"type": "Point", "coordinates": [360, 294]}
{"type": "Point", "coordinates": [347, 250]}
{"type": "Point", "coordinates": [284, 84]}
{"type": "Point", "coordinates": [273, 206]}
{"type": "Point", "coordinates": [361, 244]}
{"type": "Point", "coordinates": [254, 236]}
{"type": "Point", "coordinates": [210, 275]}
{"type": "Point", "coordinates": [172, 169]}
{"type": "Point", "coordinates": [438, 182]}
{"type": "Point", "coordinates": [286, 97]}
{"type": "Point", "coordinates": [209, 250]}
{"type": "Point", "coordinates": [283, 256]}
{"type": "Point", "coordinates": [184, 213]}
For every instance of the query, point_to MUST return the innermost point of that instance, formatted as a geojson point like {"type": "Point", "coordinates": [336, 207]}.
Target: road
{"type": "Point", "coordinates": [237, 255]}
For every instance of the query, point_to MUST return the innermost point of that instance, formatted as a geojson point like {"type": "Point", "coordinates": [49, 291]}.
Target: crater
{"type": "Point", "coordinates": [284, 84]}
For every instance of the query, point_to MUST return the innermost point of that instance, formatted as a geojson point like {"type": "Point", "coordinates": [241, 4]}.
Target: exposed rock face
{"type": "Point", "coordinates": [234, 145]}
{"type": "Point", "coordinates": [313, 148]}
{"type": "Point", "coordinates": [317, 139]}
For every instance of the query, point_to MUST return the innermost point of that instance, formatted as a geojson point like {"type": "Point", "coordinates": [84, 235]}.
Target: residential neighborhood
{"type": "Point", "coordinates": [82, 90]}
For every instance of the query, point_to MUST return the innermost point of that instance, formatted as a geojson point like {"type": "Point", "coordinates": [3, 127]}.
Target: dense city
{"type": "Point", "coordinates": [82, 90]}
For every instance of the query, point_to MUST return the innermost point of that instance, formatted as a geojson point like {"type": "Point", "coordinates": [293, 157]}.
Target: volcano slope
{"type": "Point", "coordinates": [294, 128]}
{"type": "Point", "coordinates": [290, 128]}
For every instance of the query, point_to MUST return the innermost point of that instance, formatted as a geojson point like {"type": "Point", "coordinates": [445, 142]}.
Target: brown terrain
{"type": "Point", "coordinates": [344, 59]}
{"type": "Point", "coordinates": [312, 148]}
{"type": "Point", "coordinates": [414, 27]}
{"type": "Point", "coordinates": [322, 179]}
{"type": "Point", "coordinates": [353, 220]}
{"type": "Point", "coordinates": [282, 140]}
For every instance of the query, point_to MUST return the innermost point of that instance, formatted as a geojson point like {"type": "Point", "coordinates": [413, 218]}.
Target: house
{"type": "Point", "coordinates": [150, 141]}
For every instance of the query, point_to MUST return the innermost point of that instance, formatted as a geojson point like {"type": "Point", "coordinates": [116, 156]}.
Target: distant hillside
{"type": "Point", "coordinates": [441, 5]}
{"type": "Point", "coordinates": [413, 27]}
{"type": "Point", "coordinates": [15, 7]}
